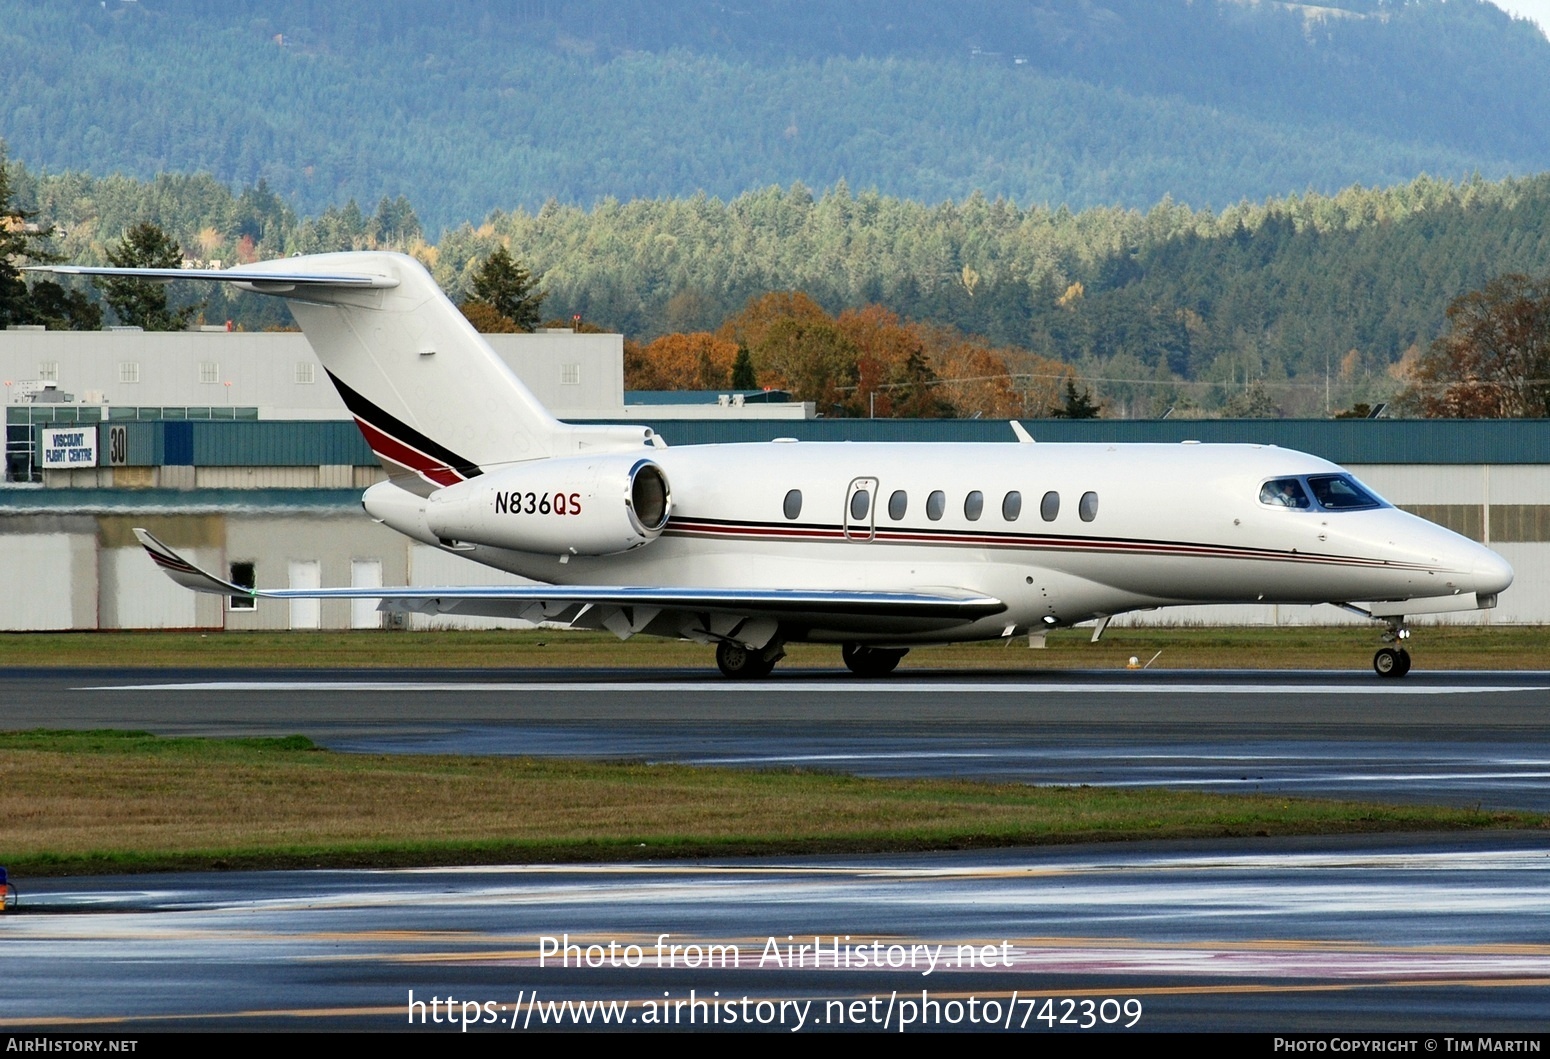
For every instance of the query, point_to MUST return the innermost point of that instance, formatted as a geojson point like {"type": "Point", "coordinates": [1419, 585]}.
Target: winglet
{"type": "Point", "coordinates": [1021, 431]}
{"type": "Point", "coordinates": [186, 573]}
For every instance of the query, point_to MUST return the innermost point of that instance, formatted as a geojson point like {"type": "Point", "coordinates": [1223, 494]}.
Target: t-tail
{"type": "Point", "coordinates": [433, 400]}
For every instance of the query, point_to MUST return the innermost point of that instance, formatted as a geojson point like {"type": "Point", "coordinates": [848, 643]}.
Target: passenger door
{"type": "Point", "coordinates": [860, 509]}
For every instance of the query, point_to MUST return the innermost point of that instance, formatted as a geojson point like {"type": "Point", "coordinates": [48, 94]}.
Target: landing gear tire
{"type": "Point", "coordinates": [871, 661]}
{"type": "Point", "coordinates": [742, 663]}
{"type": "Point", "coordinates": [1391, 662]}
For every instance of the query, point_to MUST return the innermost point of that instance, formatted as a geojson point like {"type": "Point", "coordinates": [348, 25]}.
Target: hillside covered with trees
{"type": "Point", "coordinates": [483, 104]}
{"type": "Point", "coordinates": [1300, 305]}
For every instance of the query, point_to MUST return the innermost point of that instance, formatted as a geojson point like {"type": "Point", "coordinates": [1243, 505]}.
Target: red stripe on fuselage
{"type": "Point", "coordinates": [771, 531]}
{"type": "Point", "coordinates": [391, 448]}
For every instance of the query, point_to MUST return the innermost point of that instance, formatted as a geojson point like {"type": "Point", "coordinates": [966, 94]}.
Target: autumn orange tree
{"type": "Point", "coordinates": [1493, 361]}
{"type": "Point", "coordinates": [976, 376]}
{"type": "Point", "coordinates": [921, 370]}
{"type": "Point", "coordinates": [794, 345]}
{"type": "Point", "coordinates": [751, 324]}
{"type": "Point", "coordinates": [867, 361]}
{"type": "Point", "coordinates": [487, 319]}
{"type": "Point", "coordinates": [698, 361]}
{"type": "Point", "coordinates": [812, 359]}
{"type": "Point", "coordinates": [894, 374]}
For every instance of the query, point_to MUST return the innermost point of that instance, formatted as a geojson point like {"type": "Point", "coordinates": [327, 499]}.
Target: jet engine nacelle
{"type": "Point", "coordinates": [576, 505]}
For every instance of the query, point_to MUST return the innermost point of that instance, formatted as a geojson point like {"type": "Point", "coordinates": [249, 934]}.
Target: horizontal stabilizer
{"type": "Point", "coordinates": [949, 606]}
{"type": "Point", "coordinates": [263, 281]}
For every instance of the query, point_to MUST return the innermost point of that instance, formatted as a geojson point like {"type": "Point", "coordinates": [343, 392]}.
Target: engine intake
{"type": "Point", "coordinates": [575, 505]}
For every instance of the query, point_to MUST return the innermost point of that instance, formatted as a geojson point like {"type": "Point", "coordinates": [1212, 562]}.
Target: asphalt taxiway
{"type": "Point", "coordinates": [1459, 738]}
{"type": "Point", "coordinates": [1428, 933]}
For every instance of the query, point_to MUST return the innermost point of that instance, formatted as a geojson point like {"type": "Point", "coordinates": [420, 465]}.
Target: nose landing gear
{"type": "Point", "coordinates": [1393, 662]}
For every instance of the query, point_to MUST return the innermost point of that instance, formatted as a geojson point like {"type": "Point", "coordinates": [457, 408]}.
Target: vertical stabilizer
{"type": "Point", "coordinates": [431, 397]}
{"type": "Point", "coordinates": [434, 401]}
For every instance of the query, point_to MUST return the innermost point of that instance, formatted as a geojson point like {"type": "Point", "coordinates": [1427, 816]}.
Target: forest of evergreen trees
{"type": "Point", "coordinates": [481, 104]}
{"type": "Point", "coordinates": [1301, 305]}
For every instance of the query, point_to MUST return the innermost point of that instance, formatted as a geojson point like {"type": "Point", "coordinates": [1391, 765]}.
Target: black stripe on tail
{"type": "Point", "coordinates": [367, 412]}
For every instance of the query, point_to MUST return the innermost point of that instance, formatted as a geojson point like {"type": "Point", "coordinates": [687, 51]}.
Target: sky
{"type": "Point", "coordinates": [1538, 10]}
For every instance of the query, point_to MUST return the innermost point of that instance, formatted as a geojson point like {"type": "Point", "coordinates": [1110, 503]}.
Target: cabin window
{"type": "Point", "coordinates": [1012, 505]}
{"type": "Point", "coordinates": [1049, 507]}
{"type": "Point", "coordinates": [1285, 492]}
{"type": "Point", "coordinates": [793, 503]}
{"type": "Point", "coordinates": [1340, 493]}
{"type": "Point", "coordinates": [897, 503]}
{"type": "Point", "coordinates": [936, 505]}
{"type": "Point", "coordinates": [860, 501]}
{"type": "Point", "coordinates": [974, 506]}
{"type": "Point", "coordinates": [1087, 507]}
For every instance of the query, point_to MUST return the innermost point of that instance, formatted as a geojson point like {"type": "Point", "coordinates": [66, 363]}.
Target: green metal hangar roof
{"type": "Point", "coordinates": [287, 443]}
{"type": "Point", "coordinates": [1358, 441]}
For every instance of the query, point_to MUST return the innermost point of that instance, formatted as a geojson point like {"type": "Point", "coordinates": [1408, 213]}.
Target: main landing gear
{"type": "Point", "coordinates": [871, 661]}
{"type": "Point", "coordinates": [746, 663]}
{"type": "Point", "coordinates": [1393, 662]}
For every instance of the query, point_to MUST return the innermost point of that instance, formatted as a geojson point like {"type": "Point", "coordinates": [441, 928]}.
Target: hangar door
{"type": "Point", "coordinates": [306, 613]}
{"type": "Point", "coordinates": [365, 573]}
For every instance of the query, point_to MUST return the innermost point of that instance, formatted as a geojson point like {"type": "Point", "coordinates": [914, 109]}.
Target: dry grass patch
{"type": "Point", "coordinates": [105, 801]}
{"type": "Point", "coordinates": [1436, 647]}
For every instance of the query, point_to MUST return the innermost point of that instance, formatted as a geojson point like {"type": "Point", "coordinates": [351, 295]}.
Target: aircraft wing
{"type": "Point", "coordinates": [749, 615]}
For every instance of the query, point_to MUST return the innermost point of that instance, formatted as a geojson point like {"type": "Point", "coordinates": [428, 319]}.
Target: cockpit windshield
{"type": "Point", "coordinates": [1337, 492]}
{"type": "Point", "coordinates": [1329, 492]}
{"type": "Point", "coordinates": [1284, 492]}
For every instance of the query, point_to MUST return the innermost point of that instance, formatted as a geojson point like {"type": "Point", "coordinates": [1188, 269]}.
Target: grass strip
{"type": "Point", "coordinates": [1300, 647]}
{"type": "Point", "coordinates": [108, 801]}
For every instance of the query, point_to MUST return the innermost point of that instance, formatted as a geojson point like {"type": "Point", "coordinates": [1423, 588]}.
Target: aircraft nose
{"type": "Point", "coordinates": [1490, 574]}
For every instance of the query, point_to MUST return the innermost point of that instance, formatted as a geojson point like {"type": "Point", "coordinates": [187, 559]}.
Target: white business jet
{"type": "Point", "coordinates": [876, 547]}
